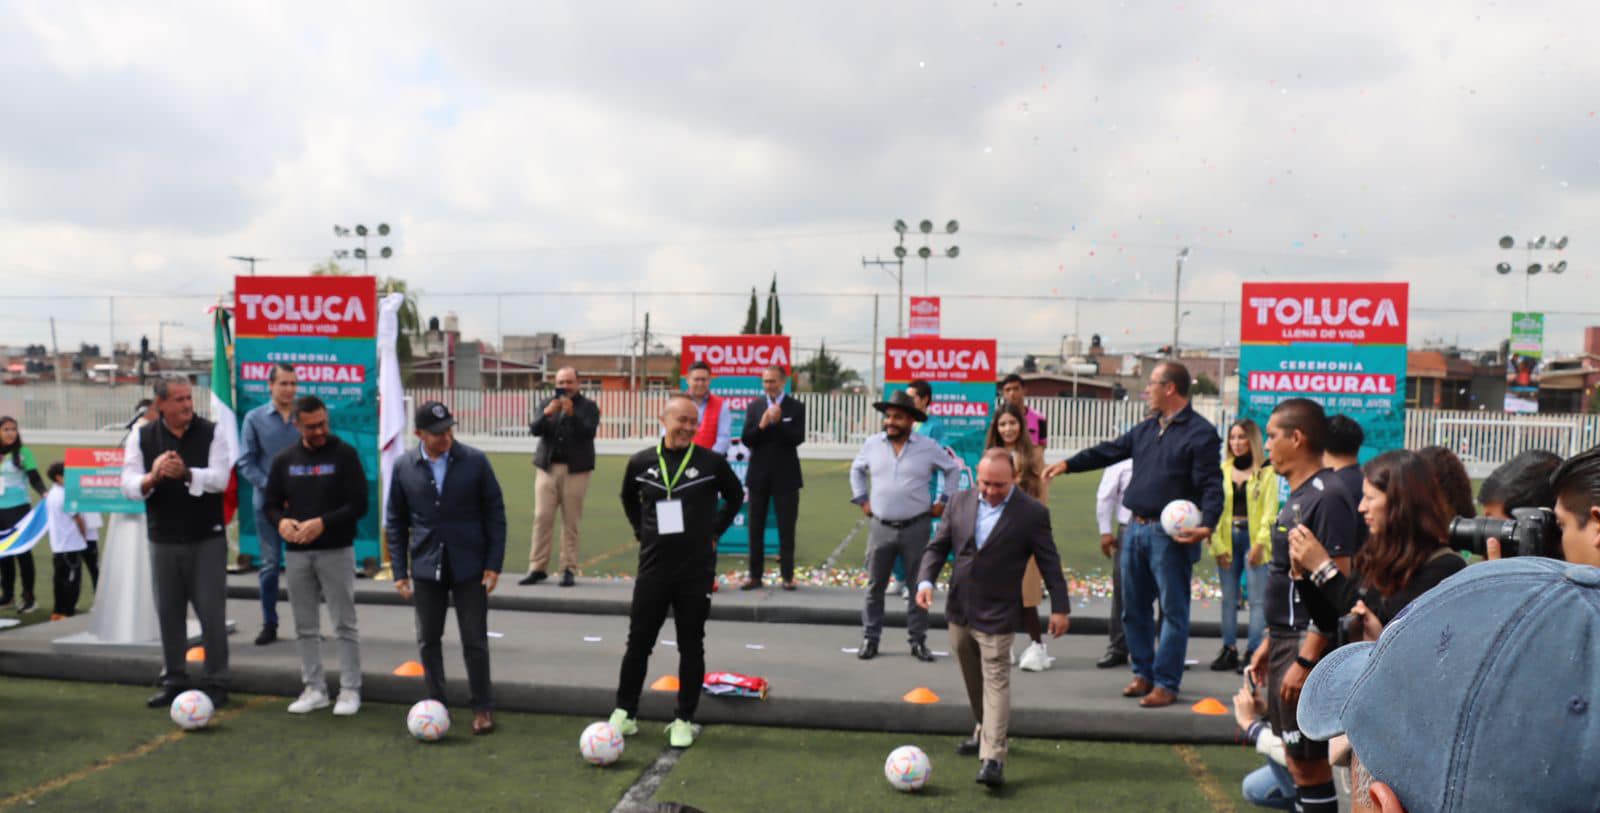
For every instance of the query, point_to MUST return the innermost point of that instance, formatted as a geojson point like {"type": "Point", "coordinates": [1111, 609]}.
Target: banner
{"type": "Point", "coordinates": [1342, 345]}
{"type": "Point", "coordinates": [94, 483]}
{"type": "Point", "coordinates": [736, 365]}
{"type": "Point", "coordinates": [962, 375]}
{"type": "Point", "coordinates": [924, 316]}
{"type": "Point", "coordinates": [327, 328]}
{"type": "Point", "coordinates": [1525, 362]}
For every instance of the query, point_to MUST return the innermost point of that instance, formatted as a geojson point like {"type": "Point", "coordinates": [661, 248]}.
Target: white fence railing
{"type": "Point", "coordinates": [837, 420]}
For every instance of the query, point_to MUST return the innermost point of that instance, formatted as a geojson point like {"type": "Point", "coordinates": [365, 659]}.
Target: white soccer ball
{"type": "Point", "coordinates": [1179, 515]}
{"type": "Point", "coordinates": [600, 744]}
{"type": "Point", "coordinates": [908, 768]}
{"type": "Point", "coordinates": [192, 710]}
{"type": "Point", "coordinates": [428, 720]}
{"type": "Point", "coordinates": [738, 453]}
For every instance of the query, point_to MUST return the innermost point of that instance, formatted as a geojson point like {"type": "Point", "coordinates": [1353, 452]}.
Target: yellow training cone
{"type": "Point", "coordinates": [196, 654]}
{"type": "Point", "coordinates": [665, 683]}
{"type": "Point", "coordinates": [1209, 706]}
{"type": "Point", "coordinates": [921, 694]}
{"type": "Point", "coordinates": [409, 669]}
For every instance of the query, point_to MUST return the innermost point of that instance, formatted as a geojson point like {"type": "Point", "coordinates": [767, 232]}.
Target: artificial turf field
{"type": "Point", "coordinates": [75, 747]}
{"type": "Point", "coordinates": [826, 518]}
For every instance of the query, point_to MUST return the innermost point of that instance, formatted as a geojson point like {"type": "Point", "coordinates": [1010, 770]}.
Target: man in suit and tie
{"type": "Point", "coordinates": [447, 544]}
{"type": "Point", "coordinates": [993, 530]}
{"type": "Point", "coordinates": [774, 427]}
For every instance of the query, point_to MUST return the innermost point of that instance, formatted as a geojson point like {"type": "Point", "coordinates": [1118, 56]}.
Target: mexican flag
{"type": "Point", "coordinates": [222, 405]}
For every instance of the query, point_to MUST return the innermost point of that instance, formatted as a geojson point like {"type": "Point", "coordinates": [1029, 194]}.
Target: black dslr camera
{"type": "Point", "coordinates": [1529, 532]}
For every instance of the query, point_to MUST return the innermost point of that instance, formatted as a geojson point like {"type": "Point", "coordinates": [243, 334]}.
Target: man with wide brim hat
{"type": "Point", "coordinates": [900, 466]}
{"type": "Point", "coordinates": [902, 400]}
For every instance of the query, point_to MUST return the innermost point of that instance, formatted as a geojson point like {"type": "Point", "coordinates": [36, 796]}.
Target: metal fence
{"type": "Point", "coordinates": [837, 421]}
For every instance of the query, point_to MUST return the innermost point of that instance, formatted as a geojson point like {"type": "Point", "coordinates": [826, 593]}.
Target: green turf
{"type": "Point", "coordinates": [826, 517]}
{"type": "Point", "coordinates": [266, 759]}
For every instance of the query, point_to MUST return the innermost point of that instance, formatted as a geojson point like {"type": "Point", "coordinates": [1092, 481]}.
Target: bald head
{"type": "Point", "coordinates": [996, 474]}
{"type": "Point", "coordinates": [679, 419]}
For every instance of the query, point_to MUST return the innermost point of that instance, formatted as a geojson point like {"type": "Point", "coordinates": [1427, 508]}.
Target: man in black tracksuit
{"type": "Point", "coordinates": [670, 494]}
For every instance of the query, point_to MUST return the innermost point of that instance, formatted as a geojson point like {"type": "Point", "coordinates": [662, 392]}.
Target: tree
{"type": "Point", "coordinates": [750, 318]}
{"type": "Point", "coordinates": [772, 323]}
{"type": "Point", "coordinates": [1203, 385]}
{"type": "Point", "coordinates": [826, 372]}
{"type": "Point", "coordinates": [329, 269]}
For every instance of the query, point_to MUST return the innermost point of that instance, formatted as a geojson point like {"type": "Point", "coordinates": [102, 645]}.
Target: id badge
{"type": "Point", "coordinates": [669, 517]}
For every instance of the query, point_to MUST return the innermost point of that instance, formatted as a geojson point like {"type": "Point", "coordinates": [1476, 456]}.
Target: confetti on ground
{"type": "Point", "coordinates": [497, 634]}
{"type": "Point", "coordinates": [591, 639]}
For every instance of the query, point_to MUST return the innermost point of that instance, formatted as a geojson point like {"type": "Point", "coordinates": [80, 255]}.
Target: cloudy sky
{"type": "Point", "coordinates": [568, 167]}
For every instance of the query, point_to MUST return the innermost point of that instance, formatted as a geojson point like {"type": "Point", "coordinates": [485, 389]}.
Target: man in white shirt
{"type": "Point", "coordinates": [1108, 507]}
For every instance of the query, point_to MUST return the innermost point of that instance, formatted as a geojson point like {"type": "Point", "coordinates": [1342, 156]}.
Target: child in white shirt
{"type": "Point", "coordinates": [66, 545]}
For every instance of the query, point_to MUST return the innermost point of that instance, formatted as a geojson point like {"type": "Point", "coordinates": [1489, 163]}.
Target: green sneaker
{"type": "Point", "coordinates": [623, 724]}
{"type": "Point", "coordinates": [681, 733]}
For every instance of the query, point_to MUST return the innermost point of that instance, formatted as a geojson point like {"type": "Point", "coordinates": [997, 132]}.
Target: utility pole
{"type": "Point", "coordinates": [900, 287]}
{"type": "Point", "coordinates": [644, 350]}
{"type": "Point", "coordinates": [111, 352]}
{"type": "Point", "coordinates": [1177, 286]}
{"type": "Point", "coordinates": [633, 357]}
{"type": "Point", "coordinates": [250, 260]}
{"type": "Point", "coordinates": [872, 386]}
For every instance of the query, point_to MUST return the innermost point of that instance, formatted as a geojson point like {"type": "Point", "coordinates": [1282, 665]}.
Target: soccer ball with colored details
{"type": "Point", "coordinates": [600, 744]}
{"type": "Point", "coordinates": [908, 768]}
{"type": "Point", "coordinates": [1179, 516]}
{"type": "Point", "coordinates": [192, 710]}
{"type": "Point", "coordinates": [428, 720]}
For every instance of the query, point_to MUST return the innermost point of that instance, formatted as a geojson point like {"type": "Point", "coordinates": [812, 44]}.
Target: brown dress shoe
{"type": "Point", "coordinates": [1138, 688]}
{"type": "Point", "coordinates": [1157, 698]}
{"type": "Point", "coordinates": [482, 722]}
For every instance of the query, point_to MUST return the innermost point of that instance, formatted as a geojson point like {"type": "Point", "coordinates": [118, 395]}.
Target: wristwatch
{"type": "Point", "coordinates": [1301, 659]}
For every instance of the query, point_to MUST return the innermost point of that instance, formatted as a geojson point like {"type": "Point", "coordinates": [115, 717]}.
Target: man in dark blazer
{"type": "Point", "coordinates": [774, 427]}
{"type": "Point", "coordinates": [447, 542]}
{"type": "Point", "coordinates": [993, 530]}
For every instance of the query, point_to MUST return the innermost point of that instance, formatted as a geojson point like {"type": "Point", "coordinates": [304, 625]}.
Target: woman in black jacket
{"type": "Point", "coordinates": [1405, 555]}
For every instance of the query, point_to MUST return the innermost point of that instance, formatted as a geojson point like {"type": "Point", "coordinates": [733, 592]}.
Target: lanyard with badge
{"type": "Point", "coordinates": [669, 512]}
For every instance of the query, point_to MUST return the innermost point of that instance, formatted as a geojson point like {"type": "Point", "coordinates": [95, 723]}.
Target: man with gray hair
{"type": "Point", "coordinates": [179, 466]}
{"type": "Point", "coordinates": [566, 427]}
{"type": "Point", "coordinates": [1479, 695]}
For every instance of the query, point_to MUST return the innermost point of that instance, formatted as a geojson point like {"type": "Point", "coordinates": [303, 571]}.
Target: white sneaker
{"type": "Point", "coordinates": [310, 700]}
{"type": "Point", "coordinates": [349, 703]}
{"type": "Point", "coordinates": [1034, 658]}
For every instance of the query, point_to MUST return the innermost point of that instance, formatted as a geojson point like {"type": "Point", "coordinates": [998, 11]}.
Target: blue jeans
{"type": "Point", "coordinates": [270, 547]}
{"type": "Point", "coordinates": [1230, 578]}
{"type": "Point", "coordinates": [1270, 786]}
{"type": "Point", "coordinates": [1156, 568]}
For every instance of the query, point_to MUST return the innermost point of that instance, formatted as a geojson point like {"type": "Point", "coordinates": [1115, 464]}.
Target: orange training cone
{"type": "Point", "coordinates": [196, 654]}
{"type": "Point", "coordinates": [921, 694]}
{"type": "Point", "coordinates": [665, 683]}
{"type": "Point", "coordinates": [1209, 706]}
{"type": "Point", "coordinates": [409, 669]}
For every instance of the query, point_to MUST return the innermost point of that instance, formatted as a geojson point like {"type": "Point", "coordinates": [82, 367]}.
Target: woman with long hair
{"type": "Point", "coordinates": [1243, 545]}
{"type": "Point", "coordinates": [1455, 486]}
{"type": "Point", "coordinates": [1405, 555]}
{"type": "Point", "coordinates": [18, 471]}
{"type": "Point", "coordinates": [1008, 431]}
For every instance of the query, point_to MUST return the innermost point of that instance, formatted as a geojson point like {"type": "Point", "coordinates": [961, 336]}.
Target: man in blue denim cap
{"type": "Point", "coordinates": [1483, 694]}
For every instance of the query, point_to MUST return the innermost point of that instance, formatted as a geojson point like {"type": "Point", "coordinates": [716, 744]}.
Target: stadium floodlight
{"type": "Point", "coordinates": [1562, 243]}
{"type": "Point", "coordinates": [953, 252]}
{"type": "Point", "coordinates": [386, 253]}
{"type": "Point", "coordinates": [952, 227]}
{"type": "Point", "coordinates": [361, 254]}
{"type": "Point", "coordinates": [1558, 267]}
{"type": "Point", "coordinates": [924, 252]}
{"type": "Point", "coordinates": [900, 251]}
{"type": "Point", "coordinates": [361, 231]}
{"type": "Point", "coordinates": [1539, 243]}
{"type": "Point", "coordinates": [1503, 268]}
{"type": "Point", "coordinates": [1507, 242]}
{"type": "Point", "coordinates": [900, 226]}
{"type": "Point", "coordinates": [1534, 268]}
{"type": "Point", "coordinates": [383, 229]}
{"type": "Point", "coordinates": [926, 226]}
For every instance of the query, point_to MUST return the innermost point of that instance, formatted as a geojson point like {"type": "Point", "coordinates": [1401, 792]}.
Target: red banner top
{"type": "Point", "coordinates": [736, 355]}
{"type": "Point", "coordinates": [933, 359]}
{"type": "Point", "coordinates": [1337, 312]}
{"type": "Point", "coordinates": [330, 307]}
{"type": "Point", "coordinates": [93, 458]}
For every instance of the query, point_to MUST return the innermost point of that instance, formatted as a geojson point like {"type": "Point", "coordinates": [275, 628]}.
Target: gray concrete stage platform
{"type": "Point", "coordinates": [567, 663]}
{"type": "Point", "coordinates": [808, 605]}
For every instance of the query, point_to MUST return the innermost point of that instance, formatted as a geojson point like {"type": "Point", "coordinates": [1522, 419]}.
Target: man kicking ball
{"type": "Point", "coordinates": [670, 493]}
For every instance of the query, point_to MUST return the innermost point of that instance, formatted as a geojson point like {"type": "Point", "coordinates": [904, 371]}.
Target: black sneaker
{"type": "Point", "coordinates": [28, 605]}
{"type": "Point", "coordinates": [163, 699]}
{"type": "Point", "coordinates": [567, 579]}
{"type": "Point", "coordinates": [533, 578]}
{"type": "Point", "coordinates": [1227, 660]}
{"type": "Point", "coordinates": [268, 634]}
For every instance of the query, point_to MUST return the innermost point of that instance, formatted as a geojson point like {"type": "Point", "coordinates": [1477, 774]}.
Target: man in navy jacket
{"type": "Point", "coordinates": [447, 541]}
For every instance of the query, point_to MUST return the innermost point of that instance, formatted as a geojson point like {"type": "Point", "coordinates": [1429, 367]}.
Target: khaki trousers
{"type": "Point", "coordinates": [557, 488]}
{"type": "Point", "coordinates": [986, 668]}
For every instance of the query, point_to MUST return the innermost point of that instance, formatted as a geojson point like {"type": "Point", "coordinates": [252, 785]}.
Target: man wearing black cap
{"type": "Point", "coordinates": [447, 542]}
{"type": "Point", "coordinates": [900, 465]}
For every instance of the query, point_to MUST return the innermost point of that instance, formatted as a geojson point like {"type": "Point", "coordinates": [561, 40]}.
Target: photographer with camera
{"type": "Point", "coordinates": [1520, 487]}
{"type": "Point", "coordinates": [1576, 484]}
{"type": "Point", "coordinates": [564, 460]}
{"type": "Point", "coordinates": [1406, 553]}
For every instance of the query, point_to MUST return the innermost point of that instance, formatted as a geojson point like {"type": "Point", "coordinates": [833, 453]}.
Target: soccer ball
{"type": "Point", "coordinates": [600, 744]}
{"type": "Point", "coordinates": [428, 720]}
{"type": "Point", "coordinates": [1179, 515]}
{"type": "Point", "coordinates": [738, 452]}
{"type": "Point", "coordinates": [908, 768]}
{"type": "Point", "coordinates": [192, 710]}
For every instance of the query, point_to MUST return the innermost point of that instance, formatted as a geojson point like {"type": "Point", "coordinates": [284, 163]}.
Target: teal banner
{"type": "Point", "coordinates": [94, 483]}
